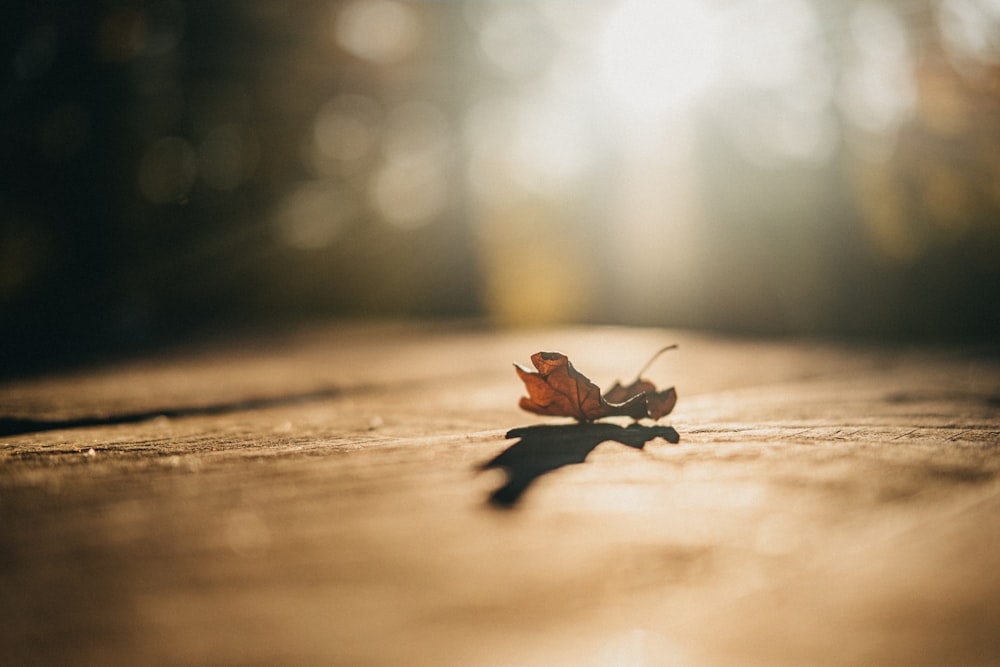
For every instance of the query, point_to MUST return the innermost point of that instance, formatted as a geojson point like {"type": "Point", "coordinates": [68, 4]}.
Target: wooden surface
{"type": "Point", "coordinates": [347, 496]}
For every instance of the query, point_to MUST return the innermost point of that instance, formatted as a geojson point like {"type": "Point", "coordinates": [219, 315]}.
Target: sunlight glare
{"type": "Point", "coordinates": [656, 57]}
{"type": "Point", "coordinates": [971, 29]}
{"type": "Point", "coordinates": [878, 92]}
{"type": "Point", "coordinates": [772, 44]}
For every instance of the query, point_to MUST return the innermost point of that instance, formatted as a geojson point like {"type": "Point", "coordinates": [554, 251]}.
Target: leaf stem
{"type": "Point", "coordinates": [652, 359]}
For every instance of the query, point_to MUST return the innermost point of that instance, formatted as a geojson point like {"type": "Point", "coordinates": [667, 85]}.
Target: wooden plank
{"type": "Point", "coordinates": [321, 497]}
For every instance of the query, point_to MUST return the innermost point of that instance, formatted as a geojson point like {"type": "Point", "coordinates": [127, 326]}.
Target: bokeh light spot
{"type": "Point", "coordinates": [777, 82]}
{"type": "Point", "coordinates": [122, 34]}
{"type": "Point", "coordinates": [224, 159]}
{"type": "Point", "coordinates": [538, 145]}
{"type": "Point", "coordinates": [410, 189]}
{"type": "Point", "coordinates": [410, 193]}
{"type": "Point", "coordinates": [314, 214]}
{"type": "Point", "coordinates": [891, 231]}
{"type": "Point", "coordinates": [657, 56]}
{"type": "Point", "coordinates": [971, 29]}
{"type": "Point", "coordinates": [946, 198]}
{"type": "Point", "coordinates": [878, 92]}
{"type": "Point", "coordinates": [165, 22]}
{"type": "Point", "coordinates": [769, 43]}
{"type": "Point", "coordinates": [345, 130]}
{"type": "Point", "coordinates": [416, 130]}
{"type": "Point", "coordinates": [772, 135]}
{"type": "Point", "coordinates": [382, 31]}
{"type": "Point", "coordinates": [167, 170]}
{"type": "Point", "coordinates": [515, 41]}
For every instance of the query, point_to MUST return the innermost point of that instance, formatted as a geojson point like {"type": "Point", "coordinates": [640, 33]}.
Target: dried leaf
{"type": "Point", "coordinates": [619, 393]}
{"type": "Point", "coordinates": [557, 389]}
{"type": "Point", "coordinates": [659, 403]}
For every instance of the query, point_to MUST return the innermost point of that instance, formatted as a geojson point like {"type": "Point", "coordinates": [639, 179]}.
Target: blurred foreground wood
{"type": "Point", "coordinates": [320, 498]}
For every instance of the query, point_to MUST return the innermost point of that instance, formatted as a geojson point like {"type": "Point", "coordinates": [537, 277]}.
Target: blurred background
{"type": "Point", "coordinates": [172, 168]}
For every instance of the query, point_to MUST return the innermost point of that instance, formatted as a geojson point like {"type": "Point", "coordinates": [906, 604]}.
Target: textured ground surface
{"type": "Point", "coordinates": [320, 498]}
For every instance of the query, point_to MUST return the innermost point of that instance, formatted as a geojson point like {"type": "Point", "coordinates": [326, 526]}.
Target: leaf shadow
{"type": "Point", "coordinates": [543, 448]}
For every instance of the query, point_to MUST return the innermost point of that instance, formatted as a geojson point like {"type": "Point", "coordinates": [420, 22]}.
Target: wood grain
{"type": "Point", "coordinates": [325, 497]}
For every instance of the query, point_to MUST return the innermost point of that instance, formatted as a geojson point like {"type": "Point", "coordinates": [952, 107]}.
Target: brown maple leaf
{"type": "Point", "coordinates": [559, 390]}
